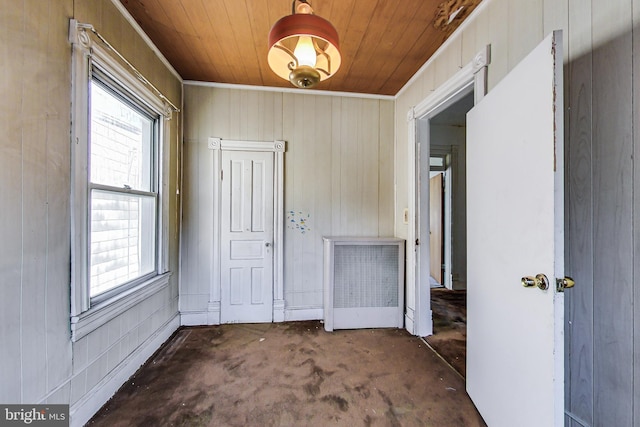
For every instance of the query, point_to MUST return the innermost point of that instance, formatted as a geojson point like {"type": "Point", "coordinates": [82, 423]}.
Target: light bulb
{"type": "Point", "coordinates": [305, 52]}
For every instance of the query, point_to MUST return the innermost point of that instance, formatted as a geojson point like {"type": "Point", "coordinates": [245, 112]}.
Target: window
{"type": "Point", "coordinates": [119, 208]}
{"type": "Point", "coordinates": [123, 196]}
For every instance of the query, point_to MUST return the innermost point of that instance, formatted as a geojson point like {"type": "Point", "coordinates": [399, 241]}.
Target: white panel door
{"type": "Point", "coordinates": [515, 228]}
{"type": "Point", "coordinates": [246, 237]}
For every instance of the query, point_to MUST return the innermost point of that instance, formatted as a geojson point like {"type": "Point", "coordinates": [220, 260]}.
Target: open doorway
{"type": "Point", "coordinates": [445, 133]}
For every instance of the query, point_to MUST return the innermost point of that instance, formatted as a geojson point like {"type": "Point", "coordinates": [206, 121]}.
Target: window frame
{"type": "Point", "coordinates": [88, 314]}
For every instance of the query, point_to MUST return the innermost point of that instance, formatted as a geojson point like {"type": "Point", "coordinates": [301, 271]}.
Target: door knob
{"type": "Point", "coordinates": [540, 281]}
{"type": "Point", "coordinates": [565, 283]}
{"type": "Point", "coordinates": [267, 244]}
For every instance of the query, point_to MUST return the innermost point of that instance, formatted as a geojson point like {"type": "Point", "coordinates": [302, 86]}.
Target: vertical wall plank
{"type": "Point", "coordinates": [58, 345]}
{"type": "Point", "coordinates": [556, 17]}
{"type": "Point", "coordinates": [320, 220]}
{"type": "Point", "coordinates": [34, 204]}
{"type": "Point", "coordinates": [579, 260]}
{"type": "Point", "coordinates": [385, 167]}
{"type": "Point", "coordinates": [336, 171]}
{"type": "Point", "coordinates": [474, 38]}
{"type": "Point", "coordinates": [449, 62]}
{"type": "Point", "coordinates": [288, 108]}
{"type": "Point", "coordinates": [498, 11]}
{"type": "Point", "coordinates": [613, 226]}
{"type": "Point", "coordinates": [368, 175]}
{"type": "Point", "coordinates": [525, 22]}
{"type": "Point", "coordinates": [11, 37]}
{"type": "Point", "coordinates": [636, 211]}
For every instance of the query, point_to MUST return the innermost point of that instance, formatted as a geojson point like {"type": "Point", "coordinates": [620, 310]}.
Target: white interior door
{"type": "Point", "coordinates": [246, 294]}
{"type": "Point", "coordinates": [435, 226]}
{"type": "Point", "coordinates": [515, 228]}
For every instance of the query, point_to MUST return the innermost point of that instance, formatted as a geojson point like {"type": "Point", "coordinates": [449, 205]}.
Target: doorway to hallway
{"type": "Point", "coordinates": [445, 135]}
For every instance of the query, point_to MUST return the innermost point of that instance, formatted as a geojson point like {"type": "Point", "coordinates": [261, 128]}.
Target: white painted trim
{"type": "Point", "coordinates": [293, 314]}
{"type": "Point", "coordinates": [408, 320]}
{"type": "Point", "coordinates": [85, 55]}
{"type": "Point", "coordinates": [458, 83]}
{"type": "Point", "coordinates": [443, 96]}
{"type": "Point", "coordinates": [559, 232]}
{"type": "Point", "coordinates": [278, 234]}
{"type": "Point", "coordinates": [210, 316]}
{"type": "Point", "coordinates": [215, 279]}
{"type": "Point", "coordinates": [194, 318]}
{"type": "Point", "coordinates": [289, 90]}
{"type": "Point", "coordinates": [103, 312]}
{"type": "Point", "coordinates": [444, 46]}
{"type": "Point", "coordinates": [411, 253]}
{"type": "Point", "coordinates": [125, 13]}
{"type": "Point", "coordinates": [82, 411]}
{"type": "Point", "coordinates": [448, 221]}
{"type": "Point", "coordinates": [277, 147]}
{"type": "Point", "coordinates": [213, 313]}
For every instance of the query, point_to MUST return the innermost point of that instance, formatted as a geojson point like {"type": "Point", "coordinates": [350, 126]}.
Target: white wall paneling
{"type": "Point", "coordinates": [40, 364]}
{"type": "Point", "coordinates": [332, 177]}
{"type": "Point", "coordinates": [601, 124]}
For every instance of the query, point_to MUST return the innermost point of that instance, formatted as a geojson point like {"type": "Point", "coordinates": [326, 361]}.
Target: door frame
{"type": "Point", "coordinates": [278, 147]}
{"type": "Point", "coordinates": [418, 319]}
{"type": "Point", "coordinates": [447, 212]}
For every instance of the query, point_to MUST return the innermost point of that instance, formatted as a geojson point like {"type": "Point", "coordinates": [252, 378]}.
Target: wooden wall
{"type": "Point", "coordinates": [338, 176]}
{"type": "Point", "coordinates": [602, 51]}
{"type": "Point", "coordinates": [39, 363]}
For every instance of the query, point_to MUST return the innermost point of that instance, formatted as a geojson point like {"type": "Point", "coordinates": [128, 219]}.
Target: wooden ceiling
{"type": "Point", "coordinates": [383, 42]}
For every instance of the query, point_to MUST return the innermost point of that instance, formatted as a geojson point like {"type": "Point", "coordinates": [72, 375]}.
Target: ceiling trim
{"type": "Point", "coordinates": [483, 5]}
{"type": "Point", "coordinates": [125, 13]}
{"type": "Point", "coordinates": [290, 90]}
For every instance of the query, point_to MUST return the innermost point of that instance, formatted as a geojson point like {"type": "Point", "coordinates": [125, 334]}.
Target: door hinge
{"type": "Point", "coordinates": [417, 242]}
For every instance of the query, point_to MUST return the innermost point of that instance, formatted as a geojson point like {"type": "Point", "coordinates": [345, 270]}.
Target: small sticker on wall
{"type": "Point", "coordinates": [298, 220]}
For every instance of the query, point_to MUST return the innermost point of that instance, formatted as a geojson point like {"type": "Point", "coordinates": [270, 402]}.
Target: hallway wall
{"type": "Point", "coordinates": [602, 122]}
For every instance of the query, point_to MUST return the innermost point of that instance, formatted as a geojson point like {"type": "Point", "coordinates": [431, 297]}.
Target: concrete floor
{"type": "Point", "coordinates": [291, 374]}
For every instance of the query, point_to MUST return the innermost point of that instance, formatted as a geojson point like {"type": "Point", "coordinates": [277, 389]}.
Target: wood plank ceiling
{"type": "Point", "coordinates": [383, 42]}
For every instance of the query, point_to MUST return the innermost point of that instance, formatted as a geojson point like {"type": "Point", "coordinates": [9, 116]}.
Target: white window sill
{"type": "Point", "coordinates": [103, 312]}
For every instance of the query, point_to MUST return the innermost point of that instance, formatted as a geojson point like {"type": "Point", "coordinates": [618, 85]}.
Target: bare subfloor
{"type": "Point", "coordinates": [291, 374]}
{"type": "Point", "coordinates": [449, 337]}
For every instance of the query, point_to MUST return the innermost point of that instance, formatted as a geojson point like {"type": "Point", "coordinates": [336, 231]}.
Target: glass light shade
{"type": "Point", "coordinates": [288, 33]}
{"type": "Point", "coordinates": [304, 52]}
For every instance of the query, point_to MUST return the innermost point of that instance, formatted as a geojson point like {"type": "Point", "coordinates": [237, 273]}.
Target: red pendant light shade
{"type": "Point", "coordinates": [303, 47]}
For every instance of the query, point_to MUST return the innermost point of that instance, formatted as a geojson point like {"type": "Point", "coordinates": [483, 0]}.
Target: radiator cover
{"type": "Point", "coordinates": [363, 282]}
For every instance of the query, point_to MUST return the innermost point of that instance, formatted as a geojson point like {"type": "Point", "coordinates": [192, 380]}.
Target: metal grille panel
{"type": "Point", "coordinates": [365, 276]}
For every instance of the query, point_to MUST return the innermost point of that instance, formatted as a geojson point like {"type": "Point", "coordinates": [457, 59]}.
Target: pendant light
{"type": "Point", "coordinates": [303, 47]}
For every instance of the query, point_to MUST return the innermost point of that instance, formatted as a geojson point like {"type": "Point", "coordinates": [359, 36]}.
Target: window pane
{"type": "Point", "coordinates": [436, 161]}
{"type": "Point", "coordinates": [121, 142]}
{"type": "Point", "coordinates": [123, 239]}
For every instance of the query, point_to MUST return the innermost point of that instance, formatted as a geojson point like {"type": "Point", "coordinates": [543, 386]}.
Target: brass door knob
{"type": "Point", "coordinates": [564, 283]}
{"type": "Point", "coordinates": [540, 281]}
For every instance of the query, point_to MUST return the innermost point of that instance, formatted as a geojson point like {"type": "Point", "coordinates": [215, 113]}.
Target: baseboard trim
{"type": "Point", "coordinates": [408, 320]}
{"type": "Point", "coordinates": [210, 316]}
{"type": "Point", "coordinates": [278, 310]}
{"type": "Point", "coordinates": [194, 318]}
{"type": "Point", "coordinates": [298, 314]}
{"type": "Point", "coordinates": [94, 399]}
